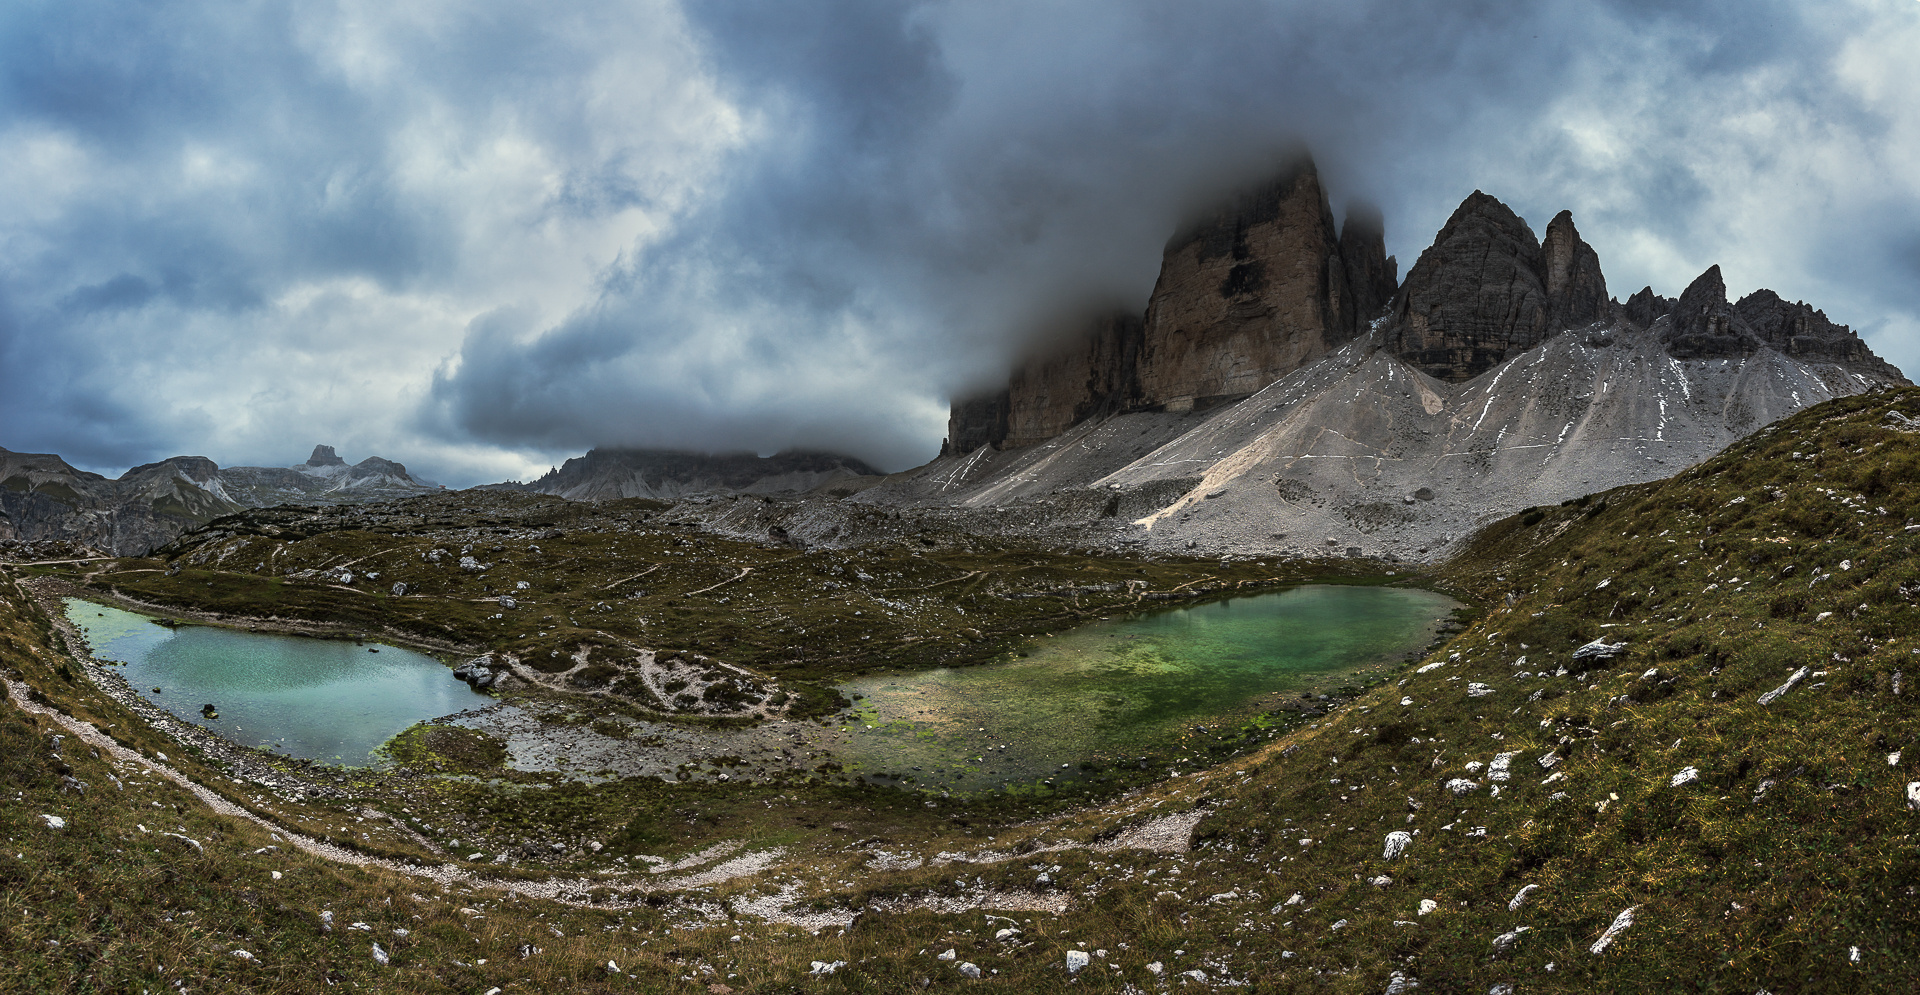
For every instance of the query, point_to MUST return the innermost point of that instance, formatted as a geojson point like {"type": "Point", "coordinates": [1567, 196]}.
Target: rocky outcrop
{"type": "Point", "coordinates": [1091, 376]}
{"type": "Point", "coordinates": [1372, 275]}
{"type": "Point", "coordinates": [1247, 294]}
{"type": "Point", "coordinates": [1702, 324]}
{"type": "Point", "coordinates": [609, 474]}
{"type": "Point", "coordinates": [324, 456]}
{"type": "Point", "coordinates": [1487, 290]}
{"type": "Point", "coordinates": [1647, 307]}
{"type": "Point", "coordinates": [976, 421]}
{"type": "Point", "coordinates": [1476, 296]}
{"type": "Point", "coordinates": [1576, 290]}
{"type": "Point", "coordinates": [1804, 333]}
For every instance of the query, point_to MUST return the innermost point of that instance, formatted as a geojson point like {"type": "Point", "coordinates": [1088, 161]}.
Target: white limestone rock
{"type": "Point", "coordinates": [1620, 924]}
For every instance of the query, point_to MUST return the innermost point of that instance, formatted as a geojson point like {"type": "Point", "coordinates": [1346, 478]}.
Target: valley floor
{"type": "Point", "coordinates": [1676, 754]}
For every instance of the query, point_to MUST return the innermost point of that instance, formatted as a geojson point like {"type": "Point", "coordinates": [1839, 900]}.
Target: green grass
{"type": "Point", "coordinates": [1791, 845]}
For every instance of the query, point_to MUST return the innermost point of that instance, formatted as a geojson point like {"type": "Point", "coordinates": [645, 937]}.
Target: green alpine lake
{"type": "Point", "coordinates": [327, 700]}
{"type": "Point", "coordinates": [1126, 692]}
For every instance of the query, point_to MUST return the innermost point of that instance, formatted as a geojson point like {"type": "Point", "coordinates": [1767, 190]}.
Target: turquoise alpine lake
{"type": "Point", "coordinates": [1157, 688]}
{"type": "Point", "coordinates": [322, 699]}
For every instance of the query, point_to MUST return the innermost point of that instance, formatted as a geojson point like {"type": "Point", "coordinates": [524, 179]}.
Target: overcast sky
{"type": "Point", "coordinates": [481, 237]}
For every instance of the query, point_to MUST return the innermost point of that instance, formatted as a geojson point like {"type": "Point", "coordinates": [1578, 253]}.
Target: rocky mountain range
{"type": "Point", "coordinates": [43, 498]}
{"type": "Point", "coordinates": [662, 474]}
{"type": "Point", "coordinates": [1283, 394]}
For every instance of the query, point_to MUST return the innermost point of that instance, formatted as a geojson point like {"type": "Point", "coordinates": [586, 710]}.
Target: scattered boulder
{"type": "Point", "coordinates": [1520, 897]}
{"type": "Point", "coordinates": [1396, 844]}
{"type": "Point", "coordinates": [1620, 924]}
{"type": "Point", "coordinates": [1597, 652]}
{"type": "Point", "coordinates": [1076, 959]}
{"type": "Point", "coordinates": [1503, 944]}
{"type": "Point", "coordinates": [1774, 695]}
{"type": "Point", "coordinates": [399, 589]}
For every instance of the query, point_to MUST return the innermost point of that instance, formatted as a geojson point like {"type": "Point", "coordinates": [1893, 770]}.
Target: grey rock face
{"type": "Point", "coordinates": [1800, 331]}
{"type": "Point", "coordinates": [1576, 290]}
{"type": "Point", "coordinates": [977, 421]}
{"type": "Point", "coordinates": [1475, 297]}
{"type": "Point", "coordinates": [1647, 307]}
{"type": "Point", "coordinates": [1372, 275]}
{"type": "Point", "coordinates": [325, 456]}
{"type": "Point", "coordinates": [1703, 325]}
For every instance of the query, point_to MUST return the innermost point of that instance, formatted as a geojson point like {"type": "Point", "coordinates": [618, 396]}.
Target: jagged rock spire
{"type": "Point", "coordinates": [1576, 289]}
{"type": "Point", "coordinates": [1475, 296]}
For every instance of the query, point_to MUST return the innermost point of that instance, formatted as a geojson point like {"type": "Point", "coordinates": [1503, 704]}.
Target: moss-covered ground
{"type": "Point", "coordinates": [1734, 768]}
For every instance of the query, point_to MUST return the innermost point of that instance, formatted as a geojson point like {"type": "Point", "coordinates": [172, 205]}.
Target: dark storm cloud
{"type": "Point", "coordinates": [482, 237]}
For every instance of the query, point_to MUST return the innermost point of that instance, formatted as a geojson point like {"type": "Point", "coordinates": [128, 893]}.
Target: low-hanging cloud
{"type": "Point", "coordinates": [482, 237]}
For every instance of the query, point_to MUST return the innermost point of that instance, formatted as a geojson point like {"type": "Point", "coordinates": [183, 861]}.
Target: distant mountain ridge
{"type": "Point", "coordinates": [42, 497]}
{"type": "Point", "coordinates": [669, 475]}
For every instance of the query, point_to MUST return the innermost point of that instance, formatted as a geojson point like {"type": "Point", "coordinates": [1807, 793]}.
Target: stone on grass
{"type": "Point", "coordinates": [821, 967]}
{"type": "Point", "coordinates": [949, 955]}
{"type": "Point", "coordinates": [1155, 968]}
{"type": "Point", "coordinates": [1427, 905]}
{"type": "Point", "coordinates": [1520, 897]}
{"type": "Point", "coordinates": [1498, 770]}
{"type": "Point", "coordinates": [1620, 924]}
{"type": "Point", "coordinates": [379, 956]}
{"type": "Point", "coordinates": [969, 969]}
{"type": "Point", "coordinates": [1076, 959]}
{"type": "Point", "coordinates": [1598, 651]}
{"type": "Point", "coordinates": [243, 955]}
{"type": "Point", "coordinates": [1475, 689]}
{"type": "Point", "coordinates": [1398, 984]}
{"type": "Point", "coordinates": [1774, 695]}
{"type": "Point", "coordinates": [1913, 797]}
{"type": "Point", "coordinates": [1461, 786]}
{"type": "Point", "coordinates": [1380, 882]}
{"type": "Point", "coordinates": [1396, 844]}
{"type": "Point", "coordinates": [1685, 777]}
{"type": "Point", "coordinates": [54, 822]}
{"type": "Point", "coordinates": [1503, 943]}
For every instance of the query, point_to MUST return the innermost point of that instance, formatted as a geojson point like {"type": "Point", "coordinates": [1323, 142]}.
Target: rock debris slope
{"type": "Point", "coordinates": [1501, 376]}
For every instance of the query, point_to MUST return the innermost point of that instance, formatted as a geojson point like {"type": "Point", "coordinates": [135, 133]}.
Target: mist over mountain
{"type": "Point", "coordinates": [500, 236]}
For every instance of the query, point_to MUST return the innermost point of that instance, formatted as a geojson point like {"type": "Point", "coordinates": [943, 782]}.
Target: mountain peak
{"type": "Point", "coordinates": [325, 456]}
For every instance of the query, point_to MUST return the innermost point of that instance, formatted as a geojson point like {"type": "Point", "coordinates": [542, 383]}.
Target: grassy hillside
{"type": "Point", "coordinates": [1732, 767]}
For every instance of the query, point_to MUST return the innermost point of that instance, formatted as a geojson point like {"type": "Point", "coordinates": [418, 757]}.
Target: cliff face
{"type": "Point", "coordinates": [1246, 294]}
{"type": "Point", "coordinates": [1251, 293]}
{"type": "Point", "coordinates": [1487, 290]}
{"type": "Point", "coordinates": [1576, 290]}
{"type": "Point", "coordinates": [1092, 376]}
{"type": "Point", "coordinates": [1262, 287]}
{"type": "Point", "coordinates": [1703, 325]}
